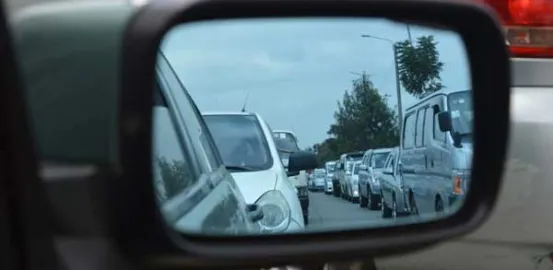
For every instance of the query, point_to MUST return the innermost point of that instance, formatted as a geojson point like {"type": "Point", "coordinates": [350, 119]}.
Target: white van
{"type": "Point", "coordinates": [436, 151]}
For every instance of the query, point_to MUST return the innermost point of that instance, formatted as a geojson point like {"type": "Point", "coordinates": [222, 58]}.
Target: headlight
{"type": "Point", "coordinates": [460, 178]}
{"type": "Point", "coordinates": [276, 212]}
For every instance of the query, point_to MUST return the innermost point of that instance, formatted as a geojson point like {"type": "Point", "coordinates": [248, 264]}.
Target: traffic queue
{"type": "Point", "coordinates": [428, 173]}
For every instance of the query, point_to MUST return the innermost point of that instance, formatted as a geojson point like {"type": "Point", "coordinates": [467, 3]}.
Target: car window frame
{"type": "Point", "coordinates": [182, 138]}
{"type": "Point", "coordinates": [207, 164]}
{"type": "Point", "coordinates": [420, 111]}
{"type": "Point", "coordinates": [436, 108]}
{"type": "Point", "coordinates": [407, 116]}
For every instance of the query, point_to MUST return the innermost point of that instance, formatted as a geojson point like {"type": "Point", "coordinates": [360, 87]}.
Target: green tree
{"type": "Point", "coordinates": [420, 66]}
{"type": "Point", "coordinates": [363, 120]}
{"type": "Point", "coordinates": [327, 150]}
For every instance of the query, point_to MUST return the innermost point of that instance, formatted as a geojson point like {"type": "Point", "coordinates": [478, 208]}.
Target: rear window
{"type": "Point", "coordinates": [285, 141]}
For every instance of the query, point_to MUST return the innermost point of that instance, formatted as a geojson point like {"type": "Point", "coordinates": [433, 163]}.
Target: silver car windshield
{"type": "Point", "coordinates": [240, 141]}
{"type": "Point", "coordinates": [378, 160]}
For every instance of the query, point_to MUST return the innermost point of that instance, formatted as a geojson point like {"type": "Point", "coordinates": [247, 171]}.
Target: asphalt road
{"type": "Point", "coordinates": [328, 212]}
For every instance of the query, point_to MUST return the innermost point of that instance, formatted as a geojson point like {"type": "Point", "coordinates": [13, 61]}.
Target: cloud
{"type": "Point", "coordinates": [328, 48]}
{"type": "Point", "coordinates": [295, 70]}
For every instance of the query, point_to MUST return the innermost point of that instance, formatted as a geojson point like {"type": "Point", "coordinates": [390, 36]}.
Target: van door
{"type": "Point", "coordinates": [407, 157]}
{"type": "Point", "coordinates": [424, 188]}
{"type": "Point", "coordinates": [441, 151]}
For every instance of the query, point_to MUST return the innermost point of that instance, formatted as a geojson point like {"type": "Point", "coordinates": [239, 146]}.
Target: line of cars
{"type": "Point", "coordinates": [428, 173]}
{"type": "Point", "coordinates": [256, 186]}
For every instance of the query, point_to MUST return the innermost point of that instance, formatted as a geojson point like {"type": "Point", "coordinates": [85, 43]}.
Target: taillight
{"type": "Point", "coordinates": [528, 26]}
{"type": "Point", "coordinates": [457, 184]}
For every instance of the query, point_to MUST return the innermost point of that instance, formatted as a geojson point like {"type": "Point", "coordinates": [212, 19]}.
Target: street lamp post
{"type": "Point", "coordinates": [396, 66]}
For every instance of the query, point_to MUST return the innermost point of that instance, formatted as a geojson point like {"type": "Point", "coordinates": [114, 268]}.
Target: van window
{"type": "Point", "coordinates": [409, 132]}
{"type": "Point", "coordinates": [438, 134]}
{"type": "Point", "coordinates": [428, 124]}
{"type": "Point", "coordinates": [420, 128]}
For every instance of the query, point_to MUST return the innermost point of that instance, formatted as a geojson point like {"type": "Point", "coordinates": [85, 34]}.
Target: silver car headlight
{"type": "Point", "coordinates": [276, 212]}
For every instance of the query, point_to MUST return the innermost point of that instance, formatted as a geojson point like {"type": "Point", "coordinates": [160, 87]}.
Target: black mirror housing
{"type": "Point", "coordinates": [302, 161]}
{"type": "Point", "coordinates": [136, 222]}
{"type": "Point", "coordinates": [444, 121]}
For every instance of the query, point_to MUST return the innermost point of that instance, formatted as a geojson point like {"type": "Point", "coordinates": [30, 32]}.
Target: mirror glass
{"type": "Point", "coordinates": [241, 103]}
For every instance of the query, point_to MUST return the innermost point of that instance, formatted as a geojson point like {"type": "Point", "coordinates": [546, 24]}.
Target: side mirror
{"type": "Point", "coordinates": [302, 160]}
{"type": "Point", "coordinates": [388, 171]}
{"type": "Point", "coordinates": [290, 174]}
{"type": "Point", "coordinates": [363, 167]}
{"type": "Point", "coordinates": [444, 121]}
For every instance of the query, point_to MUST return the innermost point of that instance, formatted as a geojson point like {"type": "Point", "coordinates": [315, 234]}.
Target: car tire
{"type": "Point", "coordinates": [373, 201]}
{"type": "Point", "coordinates": [439, 207]}
{"type": "Point", "coordinates": [413, 209]}
{"type": "Point", "coordinates": [395, 214]}
{"type": "Point", "coordinates": [363, 201]}
{"type": "Point", "coordinates": [385, 211]}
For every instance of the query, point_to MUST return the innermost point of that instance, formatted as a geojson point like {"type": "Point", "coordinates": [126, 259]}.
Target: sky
{"type": "Point", "coordinates": [293, 71]}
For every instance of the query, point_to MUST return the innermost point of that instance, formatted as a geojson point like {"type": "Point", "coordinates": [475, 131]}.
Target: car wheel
{"type": "Point", "coordinates": [385, 211]}
{"type": "Point", "coordinates": [394, 209]}
{"type": "Point", "coordinates": [439, 207]}
{"type": "Point", "coordinates": [372, 200]}
{"type": "Point", "coordinates": [413, 209]}
{"type": "Point", "coordinates": [362, 199]}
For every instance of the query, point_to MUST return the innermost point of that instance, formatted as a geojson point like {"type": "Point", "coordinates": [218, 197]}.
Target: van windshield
{"type": "Point", "coordinates": [460, 107]}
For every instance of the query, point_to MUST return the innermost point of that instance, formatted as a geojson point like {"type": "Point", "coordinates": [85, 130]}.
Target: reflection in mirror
{"type": "Point", "coordinates": [271, 126]}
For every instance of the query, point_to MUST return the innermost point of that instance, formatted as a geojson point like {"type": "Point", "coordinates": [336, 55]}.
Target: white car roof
{"type": "Point", "coordinates": [382, 150]}
{"type": "Point", "coordinates": [228, 113]}
{"type": "Point", "coordinates": [283, 131]}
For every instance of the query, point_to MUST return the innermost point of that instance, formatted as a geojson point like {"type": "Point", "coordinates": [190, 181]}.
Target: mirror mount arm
{"type": "Point", "coordinates": [456, 139]}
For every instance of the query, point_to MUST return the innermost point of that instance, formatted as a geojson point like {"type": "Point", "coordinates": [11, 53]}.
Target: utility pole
{"type": "Point", "coordinates": [409, 34]}
{"type": "Point", "coordinates": [398, 86]}
{"type": "Point", "coordinates": [396, 65]}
